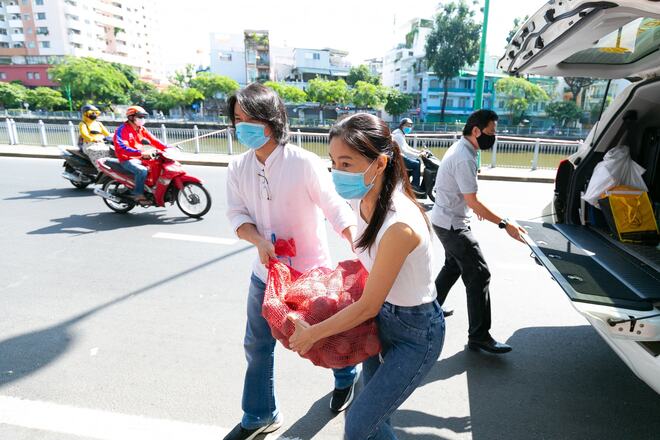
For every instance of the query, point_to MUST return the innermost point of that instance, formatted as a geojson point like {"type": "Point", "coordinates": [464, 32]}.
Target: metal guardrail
{"type": "Point", "coordinates": [509, 152]}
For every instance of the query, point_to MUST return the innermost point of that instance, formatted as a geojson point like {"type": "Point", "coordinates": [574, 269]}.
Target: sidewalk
{"type": "Point", "coordinates": [222, 160]}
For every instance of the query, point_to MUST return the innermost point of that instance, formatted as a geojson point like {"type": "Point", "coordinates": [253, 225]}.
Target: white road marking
{"type": "Point", "coordinates": [196, 238]}
{"type": "Point", "coordinates": [102, 425]}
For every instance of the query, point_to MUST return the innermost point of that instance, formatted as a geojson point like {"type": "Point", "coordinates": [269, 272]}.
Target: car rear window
{"type": "Point", "coordinates": [628, 44]}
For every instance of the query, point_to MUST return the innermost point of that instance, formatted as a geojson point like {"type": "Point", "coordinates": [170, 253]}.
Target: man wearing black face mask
{"type": "Point", "coordinates": [456, 193]}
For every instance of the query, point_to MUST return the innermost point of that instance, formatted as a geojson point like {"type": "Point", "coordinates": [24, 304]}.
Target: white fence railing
{"type": "Point", "coordinates": [509, 152]}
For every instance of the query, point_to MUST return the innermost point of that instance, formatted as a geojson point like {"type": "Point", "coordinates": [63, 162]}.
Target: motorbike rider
{"type": "Point", "coordinates": [129, 140]}
{"type": "Point", "coordinates": [411, 156]}
{"type": "Point", "coordinates": [93, 135]}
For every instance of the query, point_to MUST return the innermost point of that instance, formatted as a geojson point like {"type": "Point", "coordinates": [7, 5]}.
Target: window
{"type": "Point", "coordinates": [37, 75]}
{"type": "Point", "coordinates": [31, 45]}
{"type": "Point", "coordinates": [626, 45]}
{"type": "Point", "coordinates": [45, 44]}
{"type": "Point", "coordinates": [3, 31]}
{"type": "Point", "coordinates": [41, 15]}
{"type": "Point", "coordinates": [434, 84]}
{"type": "Point", "coordinates": [317, 56]}
{"type": "Point", "coordinates": [42, 31]}
{"type": "Point", "coordinates": [29, 31]}
{"type": "Point", "coordinates": [2, 18]}
{"type": "Point", "coordinates": [4, 45]}
{"type": "Point", "coordinates": [225, 57]}
{"type": "Point", "coordinates": [26, 17]}
{"type": "Point", "coordinates": [30, 75]}
{"type": "Point", "coordinates": [405, 84]}
{"type": "Point", "coordinates": [39, 2]}
{"type": "Point", "coordinates": [18, 31]}
{"type": "Point", "coordinates": [3, 75]}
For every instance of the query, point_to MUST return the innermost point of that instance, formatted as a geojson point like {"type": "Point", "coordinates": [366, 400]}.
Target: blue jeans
{"type": "Point", "coordinates": [412, 339]}
{"type": "Point", "coordinates": [259, 400]}
{"type": "Point", "coordinates": [139, 171]}
{"type": "Point", "coordinates": [414, 169]}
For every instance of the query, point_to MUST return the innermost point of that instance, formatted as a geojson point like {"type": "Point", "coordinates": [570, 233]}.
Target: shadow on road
{"type": "Point", "coordinates": [25, 354]}
{"type": "Point", "coordinates": [558, 383]}
{"type": "Point", "coordinates": [53, 194]}
{"type": "Point", "coordinates": [80, 224]}
{"type": "Point", "coordinates": [312, 422]}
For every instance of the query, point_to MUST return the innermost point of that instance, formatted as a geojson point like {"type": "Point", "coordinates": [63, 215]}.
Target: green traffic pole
{"type": "Point", "coordinates": [479, 97]}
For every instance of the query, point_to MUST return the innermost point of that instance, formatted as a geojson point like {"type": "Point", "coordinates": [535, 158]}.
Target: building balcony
{"type": "Point", "coordinates": [4, 38]}
{"type": "Point", "coordinates": [13, 9]}
{"type": "Point", "coordinates": [15, 23]}
{"type": "Point", "coordinates": [17, 37]}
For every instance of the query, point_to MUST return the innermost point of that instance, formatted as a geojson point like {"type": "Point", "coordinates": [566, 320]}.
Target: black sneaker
{"type": "Point", "coordinates": [240, 433]}
{"type": "Point", "coordinates": [342, 398]}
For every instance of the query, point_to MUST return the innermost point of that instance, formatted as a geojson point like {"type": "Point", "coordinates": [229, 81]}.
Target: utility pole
{"type": "Point", "coordinates": [479, 98]}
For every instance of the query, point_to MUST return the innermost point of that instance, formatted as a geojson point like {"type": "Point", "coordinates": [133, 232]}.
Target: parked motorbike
{"type": "Point", "coordinates": [167, 182]}
{"type": "Point", "coordinates": [430, 170]}
{"type": "Point", "coordinates": [78, 169]}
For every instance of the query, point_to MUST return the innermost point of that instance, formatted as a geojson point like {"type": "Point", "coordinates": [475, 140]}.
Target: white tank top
{"type": "Point", "coordinates": [415, 283]}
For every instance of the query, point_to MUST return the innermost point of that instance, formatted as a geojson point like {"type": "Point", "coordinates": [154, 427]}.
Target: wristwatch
{"type": "Point", "coordinates": [503, 223]}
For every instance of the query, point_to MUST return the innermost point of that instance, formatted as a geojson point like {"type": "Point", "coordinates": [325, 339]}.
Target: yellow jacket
{"type": "Point", "coordinates": [87, 126]}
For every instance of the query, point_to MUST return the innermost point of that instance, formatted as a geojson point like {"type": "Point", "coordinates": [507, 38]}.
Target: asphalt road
{"type": "Point", "coordinates": [109, 332]}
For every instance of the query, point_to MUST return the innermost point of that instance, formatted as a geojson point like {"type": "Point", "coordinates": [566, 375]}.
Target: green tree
{"type": "Point", "coordinates": [366, 95]}
{"type": "Point", "coordinates": [177, 97]}
{"type": "Point", "coordinates": [452, 44]}
{"type": "Point", "coordinates": [361, 73]}
{"type": "Point", "coordinates": [212, 85]}
{"type": "Point", "coordinates": [327, 93]}
{"type": "Point", "coordinates": [183, 77]}
{"type": "Point", "coordinates": [289, 94]}
{"type": "Point", "coordinates": [92, 80]}
{"type": "Point", "coordinates": [45, 98]}
{"type": "Point", "coordinates": [144, 94]}
{"type": "Point", "coordinates": [563, 112]}
{"type": "Point", "coordinates": [215, 89]}
{"type": "Point", "coordinates": [397, 103]}
{"type": "Point", "coordinates": [12, 95]}
{"type": "Point", "coordinates": [576, 85]}
{"type": "Point", "coordinates": [519, 94]}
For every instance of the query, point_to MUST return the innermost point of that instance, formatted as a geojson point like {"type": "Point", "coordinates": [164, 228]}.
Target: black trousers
{"type": "Point", "coordinates": [463, 258]}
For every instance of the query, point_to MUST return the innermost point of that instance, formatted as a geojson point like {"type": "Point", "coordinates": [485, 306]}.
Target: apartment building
{"type": "Point", "coordinates": [38, 33]}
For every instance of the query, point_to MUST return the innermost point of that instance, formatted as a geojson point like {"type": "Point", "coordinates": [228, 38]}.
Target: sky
{"type": "Point", "coordinates": [364, 28]}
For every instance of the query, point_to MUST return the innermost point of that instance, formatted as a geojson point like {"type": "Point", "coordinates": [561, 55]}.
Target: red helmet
{"type": "Point", "coordinates": [136, 110]}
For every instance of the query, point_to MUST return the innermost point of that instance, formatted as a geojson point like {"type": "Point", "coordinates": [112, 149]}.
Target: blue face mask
{"type": "Point", "coordinates": [407, 130]}
{"type": "Point", "coordinates": [351, 185]}
{"type": "Point", "coordinates": [251, 135]}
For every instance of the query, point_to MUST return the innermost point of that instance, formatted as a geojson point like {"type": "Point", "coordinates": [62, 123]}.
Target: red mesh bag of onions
{"type": "Point", "coordinates": [314, 296]}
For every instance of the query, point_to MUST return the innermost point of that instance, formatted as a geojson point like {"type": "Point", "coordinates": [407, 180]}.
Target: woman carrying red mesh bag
{"type": "Point", "coordinates": [313, 297]}
{"type": "Point", "coordinates": [394, 245]}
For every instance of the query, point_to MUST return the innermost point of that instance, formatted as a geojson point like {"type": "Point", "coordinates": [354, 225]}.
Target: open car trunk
{"type": "Point", "coordinates": [585, 259]}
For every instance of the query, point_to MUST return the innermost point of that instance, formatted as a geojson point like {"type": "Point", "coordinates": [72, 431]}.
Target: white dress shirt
{"type": "Point", "coordinates": [287, 196]}
{"type": "Point", "coordinates": [408, 151]}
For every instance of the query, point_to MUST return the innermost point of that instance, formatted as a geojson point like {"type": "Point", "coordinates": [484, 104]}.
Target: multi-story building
{"type": "Point", "coordinates": [243, 57]}
{"type": "Point", "coordinates": [324, 63]}
{"type": "Point", "coordinates": [228, 56]}
{"type": "Point", "coordinates": [249, 57]}
{"type": "Point", "coordinates": [257, 56]}
{"type": "Point", "coordinates": [40, 32]}
{"type": "Point", "coordinates": [375, 66]}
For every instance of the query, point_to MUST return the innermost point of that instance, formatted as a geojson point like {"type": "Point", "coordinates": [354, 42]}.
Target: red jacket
{"type": "Point", "coordinates": [128, 141]}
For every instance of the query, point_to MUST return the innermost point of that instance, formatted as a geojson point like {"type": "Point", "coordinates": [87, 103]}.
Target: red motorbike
{"type": "Point", "coordinates": [167, 182]}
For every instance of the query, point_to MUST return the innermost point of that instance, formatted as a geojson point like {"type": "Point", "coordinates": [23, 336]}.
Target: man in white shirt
{"type": "Point", "coordinates": [410, 155]}
{"type": "Point", "coordinates": [278, 190]}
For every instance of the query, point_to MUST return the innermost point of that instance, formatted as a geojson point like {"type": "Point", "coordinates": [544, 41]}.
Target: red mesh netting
{"type": "Point", "coordinates": [315, 296]}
